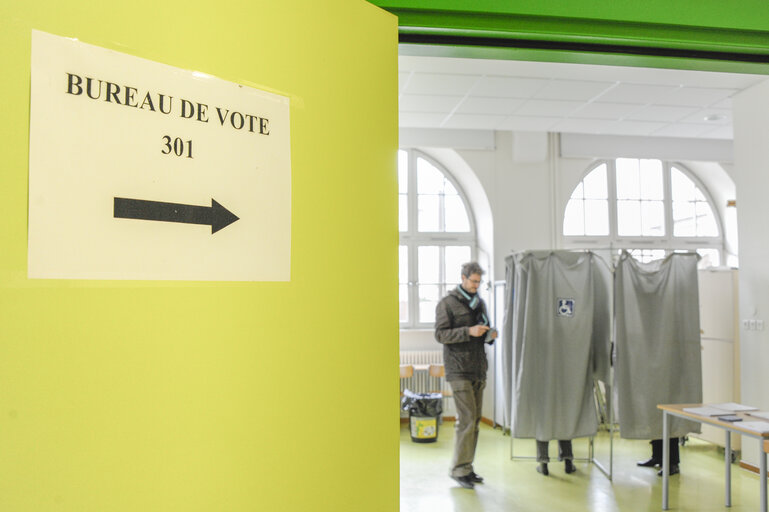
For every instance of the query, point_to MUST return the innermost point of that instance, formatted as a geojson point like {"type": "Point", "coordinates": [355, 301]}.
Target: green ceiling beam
{"type": "Point", "coordinates": [730, 39]}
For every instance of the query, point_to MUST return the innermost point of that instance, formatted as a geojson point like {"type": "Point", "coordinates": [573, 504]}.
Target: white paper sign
{"type": "Point", "coordinates": [139, 170]}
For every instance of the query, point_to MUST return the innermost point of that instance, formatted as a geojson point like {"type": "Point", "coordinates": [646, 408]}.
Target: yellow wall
{"type": "Point", "coordinates": [166, 396]}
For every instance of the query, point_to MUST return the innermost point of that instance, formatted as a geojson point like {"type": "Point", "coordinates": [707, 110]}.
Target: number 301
{"type": "Point", "coordinates": [176, 146]}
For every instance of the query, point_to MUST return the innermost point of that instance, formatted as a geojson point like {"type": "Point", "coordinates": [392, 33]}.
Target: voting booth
{"type": "Point", "coordinates": [564, 368]}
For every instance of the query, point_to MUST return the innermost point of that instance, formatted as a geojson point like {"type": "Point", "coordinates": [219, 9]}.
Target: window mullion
{"type": "Point", "coordinates": [413, 201]}
{"type": "Point", "coordinates": [611, 183]}
{"type": "Point", "coordinates": [667, 194]}
{"type": "Point", "coordinates": [410, 282]}
{"type": "Point", "coordinates": [413, 244]}
{"type": "Point", "coordinates": [442, 270]}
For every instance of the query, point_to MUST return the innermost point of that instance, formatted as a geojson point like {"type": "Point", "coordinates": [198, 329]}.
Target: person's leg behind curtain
{"type": "Point", "coordinates": [543, 457]}
{"type": "Point", "coordinates": [566, 454]}
{"type": "Point", "coordinates": [565, 451]}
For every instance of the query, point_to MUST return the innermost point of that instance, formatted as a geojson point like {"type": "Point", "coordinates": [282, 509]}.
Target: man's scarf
{"type": "Point", "coordinates": [473, 301]}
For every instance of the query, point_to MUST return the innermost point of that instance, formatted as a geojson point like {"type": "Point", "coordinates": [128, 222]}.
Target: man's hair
{"type": "Point", "coordinates": [471, 268]}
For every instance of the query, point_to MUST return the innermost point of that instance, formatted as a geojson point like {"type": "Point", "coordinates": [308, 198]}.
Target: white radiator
{"type": "Point", "coordinates": [421, 356]}
{"type": "Point", "coordinates": [421, 382]}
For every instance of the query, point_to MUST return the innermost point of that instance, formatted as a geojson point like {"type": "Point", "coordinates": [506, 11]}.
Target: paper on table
{"type": "Point", "coordinates": [707, 411]}
{"type": "Point", "coordinates": [761, 427]}
{"type": "Point", "coordinates": [731, 406]}
{"type": "Point", "coordinates": [761, 414]}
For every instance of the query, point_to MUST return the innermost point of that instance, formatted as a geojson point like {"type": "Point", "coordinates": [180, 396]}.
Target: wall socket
{"type": "Point", "coordinates": [751, 324]}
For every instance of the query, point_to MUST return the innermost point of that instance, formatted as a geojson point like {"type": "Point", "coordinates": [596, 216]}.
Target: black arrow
{"type": "Point", "coordinates": [216, 215]}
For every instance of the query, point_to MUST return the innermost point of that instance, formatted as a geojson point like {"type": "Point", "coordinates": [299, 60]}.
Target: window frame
{"type": "Point", "coordinates": [667, 242]}
{"type": "Point", "coordinates": [413, 238]}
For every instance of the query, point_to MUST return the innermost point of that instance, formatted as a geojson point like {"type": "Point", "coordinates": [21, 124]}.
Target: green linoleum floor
{"type": "Point", "coordinates": [515, 486]}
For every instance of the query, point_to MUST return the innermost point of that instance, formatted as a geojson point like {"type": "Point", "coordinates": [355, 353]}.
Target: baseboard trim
{"type": "Point", "coordinates": [743, 465]}
{"type": "Point", "coordinates": [749, 467]}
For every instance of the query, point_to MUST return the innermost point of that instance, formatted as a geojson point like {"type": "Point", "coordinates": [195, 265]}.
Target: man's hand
{"type": "Point", "coordinates": [478, 330]}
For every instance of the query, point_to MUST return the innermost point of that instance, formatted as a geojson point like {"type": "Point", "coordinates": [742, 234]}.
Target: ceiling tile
{"type": "Point", "coordinates": [508, 87]}
{"type": "Point", "coordinates": [420, 120]}
{"type": "Point", "coordinates": [573, 90]}
{"type": "Point", "coordinates": [574, 71]}
{"type": "Point", "coordinates": [427, 103]}
{"type": "Point", "coordinates": [441, 84]}
{"type": "Point", "coordinates": [724, 103]}
{"type": "Point", "coordinates": [695, 96]}
{"type": "Point", "coordinates": [476, 122]}
{"type": "Point", "coordinates": [504, 106]}
{"type": "Point", "coordinates": [548, 108]}
{"type": "Point", "coordinates": [682, 130]}
{"type": "Point", "coordinates": [635, 93]}
{"type": "Point", "coordinates": [598, 110]}
{"type": "Point", "coordinates": [636, 127]}
{"type": "Point", "coordinates": [536, 96]}
{"type": "Point", "coordinates": [584, 126]}
{"type": "Point", "coordinates": [529, 124]}
{"type": "Point", "coordinates": [661, 113]}
{"type": "Point", "coordinates": [710, 116]}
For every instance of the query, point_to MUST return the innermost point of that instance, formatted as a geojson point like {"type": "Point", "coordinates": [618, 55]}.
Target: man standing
{"type": "Point", "coordinates": [461, 324]}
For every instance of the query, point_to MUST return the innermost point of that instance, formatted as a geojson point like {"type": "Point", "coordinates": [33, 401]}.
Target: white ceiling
{"type": "Point", "coordinates": [437, 92]}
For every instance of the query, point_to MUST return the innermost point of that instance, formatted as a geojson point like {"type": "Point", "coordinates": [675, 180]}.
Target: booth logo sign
{"type": "Point", "coordinates": [565, 308]}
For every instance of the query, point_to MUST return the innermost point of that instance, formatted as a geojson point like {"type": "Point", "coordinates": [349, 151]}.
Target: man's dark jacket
{"type": "Point", "coordinates": [464, 357]}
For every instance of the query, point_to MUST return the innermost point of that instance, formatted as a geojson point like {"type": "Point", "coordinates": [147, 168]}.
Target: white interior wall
{"type": "Point", "coordinates": [717, 178]}
{"type": "Point", "coordinates": [751, 161]}
{"type": "Point", "coordinates": [520, 194]}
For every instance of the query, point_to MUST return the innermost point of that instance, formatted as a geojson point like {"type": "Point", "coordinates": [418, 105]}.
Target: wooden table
{"type": "Point", "coordinates": [729, 427]}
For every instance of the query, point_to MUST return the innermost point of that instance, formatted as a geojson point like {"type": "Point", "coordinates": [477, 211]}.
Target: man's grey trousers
{"type": "Point", "coordinates": [468, 399]}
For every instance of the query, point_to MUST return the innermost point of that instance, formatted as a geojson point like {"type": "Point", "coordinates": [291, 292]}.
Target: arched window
{"type": "Point", "coordinates": [437, 235]}
{"type": "Point", "coordinates": [647, 206]}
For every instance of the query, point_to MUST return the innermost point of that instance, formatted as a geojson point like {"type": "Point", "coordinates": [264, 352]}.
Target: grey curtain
{"type": "Point", "coordinates": [558, 325]}
{"type": "Point", "coordinates": [658, 343]}
{"type": "Point", "coordinates": [505, 340]}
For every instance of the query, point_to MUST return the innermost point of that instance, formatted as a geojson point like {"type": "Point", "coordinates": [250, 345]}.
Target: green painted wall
{"type": "Point", "coordinates": [186, 396]}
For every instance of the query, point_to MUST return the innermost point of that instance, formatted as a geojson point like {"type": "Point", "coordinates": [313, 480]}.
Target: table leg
{"type": "Point", "coordinates": [762, 475]}
{"type": "Point", "coordinates": [728, 470]}
{"type": "Point", "coordinates": [666, 460]}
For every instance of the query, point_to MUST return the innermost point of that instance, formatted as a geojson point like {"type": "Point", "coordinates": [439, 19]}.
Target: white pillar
{"type": "Point", "coordinates": [751, 177]}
